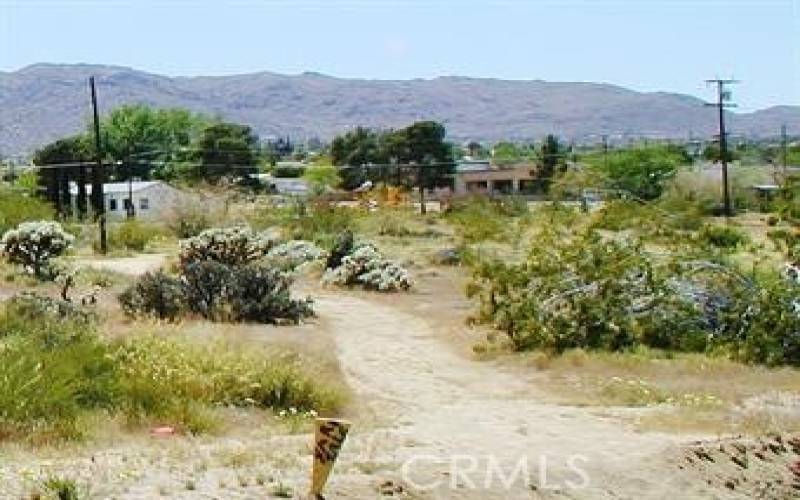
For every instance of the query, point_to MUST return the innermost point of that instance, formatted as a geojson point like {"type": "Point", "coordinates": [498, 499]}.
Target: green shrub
{"type": "Point", "coordinates": [722, 236]}
{"type": "Point", "coordinates": [132, 235]}
{"type": "Point", "coordinates": [588, 292]}
{"type": "Point", "coordinates": [33, 244]}
{"type": "Point", "coordinates": [479, 218]}
{"type": "Point", "coordinates": [155, 294]}
{"type": "Point", "coordinates": [18, 207]}
{"type": "Point", "coordinates": [241, 293]}
{"type": "Point", "coordinates": [320, 223]}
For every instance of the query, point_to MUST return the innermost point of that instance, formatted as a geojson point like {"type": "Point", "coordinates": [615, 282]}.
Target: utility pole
{"type": "Point", "coordinates": [723, 98]}
{"type": "Point", "coordinates": [605, 152]}
{"type": "Point", "coordinates": [98, 199]}
{"type": "Point", "coordinates": [784, 141]}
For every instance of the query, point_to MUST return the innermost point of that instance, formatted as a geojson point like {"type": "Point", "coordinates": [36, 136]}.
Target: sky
{"type": "Point", "coordinates": [647, 45]}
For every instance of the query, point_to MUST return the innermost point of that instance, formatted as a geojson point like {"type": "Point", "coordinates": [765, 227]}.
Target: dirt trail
{"type": "Point", "coordinates": [432, 404]}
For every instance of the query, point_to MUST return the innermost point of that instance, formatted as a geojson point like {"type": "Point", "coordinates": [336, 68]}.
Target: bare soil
{"type": "Point", "coordinates": [429, 422]}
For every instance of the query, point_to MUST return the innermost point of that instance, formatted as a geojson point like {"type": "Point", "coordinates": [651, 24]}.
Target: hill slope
{"type": "Point", "coordinates": [42, 102]}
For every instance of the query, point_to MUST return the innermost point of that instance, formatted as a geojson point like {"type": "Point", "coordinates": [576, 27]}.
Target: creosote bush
{"type": "Point", "coordinates": [132, 235]}
{"type": "Point", "coordinates": [580, 290]}
{"type": "Point", "coordinates": [33, 244]}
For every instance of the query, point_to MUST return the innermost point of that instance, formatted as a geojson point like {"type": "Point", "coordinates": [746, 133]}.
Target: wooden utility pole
{"type": "Point", "coordinates": [98, 199]}
{"type": "Point", "coordinates": [723, 98]}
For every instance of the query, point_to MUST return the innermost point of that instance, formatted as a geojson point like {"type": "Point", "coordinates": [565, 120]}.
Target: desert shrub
{"type": "Point", "coordinates": [342, 246]}
{"type": "Point", "coordinates": [33, 244]}
{"type": "Point", "coordinates": [722, 236]}
{"type": "Point", "coordinates": [204, 287]}
{"type": "Point", "coordinates": [320, 223]}
{"type": "Point", "coordinates": [260, 293]}
{"type": "Point", "coordinates": [294, 254]}
{"type": "Point", "coordinates": [479, 218]}
{"type": "Point", "coordinates": [188, 221]}
{"type": "Point", "coordinates": [583, 291]}
{"type": "Point", "coordinates": [155, 294]}
{"type": "Point", "coordinates": [18, 207]}
{"type": "Point", "coordinates": [132, 235]}
{"type": "Point", "coordinates": [233, 246]}
{"type": "Point", "coordinates": [241, 293]}
{"type": "Point", "coordinates": [618, 215]}
{"type": "Point", "coordinates": [366, 267]}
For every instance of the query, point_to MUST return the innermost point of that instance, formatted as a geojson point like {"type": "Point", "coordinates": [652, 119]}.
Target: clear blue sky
{"type": "Point", "coordinates": [670, 45]}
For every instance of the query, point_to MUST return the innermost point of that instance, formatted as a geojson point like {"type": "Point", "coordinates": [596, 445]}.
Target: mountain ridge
{"type": "Point", "coordinates": [44, 101]}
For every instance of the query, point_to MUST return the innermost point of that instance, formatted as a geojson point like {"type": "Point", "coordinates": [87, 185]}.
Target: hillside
{"type": "Point", "coordinates": [45, 101]}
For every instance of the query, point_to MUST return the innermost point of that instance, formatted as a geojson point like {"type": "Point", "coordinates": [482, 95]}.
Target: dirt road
{"type": "Point", "coordinates": [452, 428]}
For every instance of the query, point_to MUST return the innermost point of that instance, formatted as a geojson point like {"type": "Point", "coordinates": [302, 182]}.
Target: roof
{"type": "Point", "coordinates": [117, 187]}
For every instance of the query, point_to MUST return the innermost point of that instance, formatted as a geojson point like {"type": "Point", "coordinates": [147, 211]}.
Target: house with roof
{"type": "Point", "coordinates": [481, 177]}
{"type": "Point", "coordinates": [149, 200]}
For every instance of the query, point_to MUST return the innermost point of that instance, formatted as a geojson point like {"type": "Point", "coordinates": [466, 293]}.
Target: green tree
{"type": "Point", "coordinates": [61, 161]}
{"type": "Point", "coordinates": [140, 136]}
{"type": "Point", "coordinates": [322, 177]}
{"type": "Point", "coordinates": [225, 149]}
{"type": "Point", "coordinates": [640, 171]}
{"type": "Point", "coordinates": [551, 159]}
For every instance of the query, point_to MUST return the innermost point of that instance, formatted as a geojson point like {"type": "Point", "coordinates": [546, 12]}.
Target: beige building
{"type": "Point", "coordinates": [481, 177]}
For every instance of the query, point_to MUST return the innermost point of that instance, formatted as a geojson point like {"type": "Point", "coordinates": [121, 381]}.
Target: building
{"type": "Point", "coordinates": [481, 177]}
{"type": "Point", "coordinates": [152, 200]}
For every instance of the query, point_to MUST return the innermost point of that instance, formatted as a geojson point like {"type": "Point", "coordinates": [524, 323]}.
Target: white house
{"type": "Point", "coordinates": [152, 200]}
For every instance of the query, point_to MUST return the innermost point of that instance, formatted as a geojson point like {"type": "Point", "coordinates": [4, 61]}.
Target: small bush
{"type": "Point", "coordinates": [342, 246]}
{"type": "Point", "coordinates": [722, 236]}
{"type": "Point", "coordinates": [155, 294]}
{"type": "Point", "coordinates": [241, 293]}
{"type": "Point", "coordinates": [33, 244]}
{"type": "Point", "coordinates": [189, 221]}
{"type": "Point", "coordinates": [132, 235]}
{"type": "Point", "coordinates": [367, 268]}
{"type": "Point", "coordinates": [18, 207]}
{"type": "Point", "coordinates": [294, 254]}
{"type": "Point", "coordinates": [320, 223]}
{"type": "Point", "coordinates": [231, 246]}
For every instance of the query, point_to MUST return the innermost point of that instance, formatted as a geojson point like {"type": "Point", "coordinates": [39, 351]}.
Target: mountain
{"type": "Point", "coordinates": [43, 102]}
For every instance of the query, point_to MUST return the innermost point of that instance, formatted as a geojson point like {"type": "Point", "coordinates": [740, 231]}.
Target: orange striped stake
{"type": "Point", "coordinates": [329, 434]}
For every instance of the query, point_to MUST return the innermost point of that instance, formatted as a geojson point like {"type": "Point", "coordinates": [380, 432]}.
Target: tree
{"type": "Point", "coordinates": [62, 161]}
{"type": "Point", "coordinates": [712, 153]}
{"type": "Point", "coordinates": [225, 149]}
{"type": "Point", "coordinates": [321, 178]}
{"type": "Point", "coordinates": [551, 158]}
{"type": "Point", "coordinates": [640, 171]}
{"type": "Point", "coordinates": [506, 153]}
{"type": "Point", "coordinates": [140, 136]}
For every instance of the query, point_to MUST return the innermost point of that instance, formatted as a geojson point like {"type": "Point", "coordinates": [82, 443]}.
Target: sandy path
{"type": "Point", "coordinates": [134, 266]}
{"type": "Point", "coordinates": [439, 409]}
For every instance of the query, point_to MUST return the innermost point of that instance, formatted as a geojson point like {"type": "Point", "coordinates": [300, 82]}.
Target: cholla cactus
{"type": "Point", "coordinates": [294, 254]}
{"type": "Point", "coordinates": [234, 246]}
{"type": "Point", "coordinates": [33, 244]}
{"type": "Point", "coordinates": [365, 266]}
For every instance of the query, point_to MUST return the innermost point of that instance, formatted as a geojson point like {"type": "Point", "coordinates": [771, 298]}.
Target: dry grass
{"type": "Point", "coordinates": [683, 392]}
